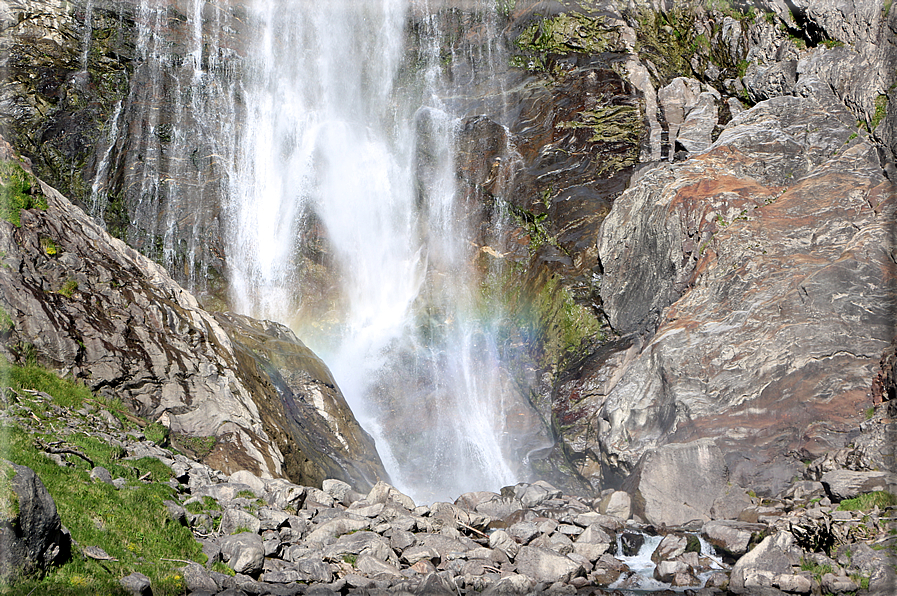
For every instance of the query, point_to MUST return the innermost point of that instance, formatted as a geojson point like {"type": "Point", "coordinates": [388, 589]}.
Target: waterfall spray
{"type": "Point", "coordinates": [345, 222]}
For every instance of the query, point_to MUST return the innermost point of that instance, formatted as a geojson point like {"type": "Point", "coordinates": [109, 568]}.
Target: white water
{"type": "Point", "coordinates": [641, 577]}
{"type": "Point", "coordinates": [332, 232]}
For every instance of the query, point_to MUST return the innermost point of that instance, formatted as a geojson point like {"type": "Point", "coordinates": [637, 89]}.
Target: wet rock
{"type": "Point", "coordinates": [732, 537]}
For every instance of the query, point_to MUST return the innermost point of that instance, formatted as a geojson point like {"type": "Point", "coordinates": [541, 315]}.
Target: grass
{"type": "Point", "coordinates": [816, 569]}
{"type": "Point", "coordinates": [68, 288]}
{"type": "Point", "coordinates": [18, 190]}
{"type": "Point", "coordinates": [131, 524]}
{"type": "Point", "coordinates": [881, 104]}
{"type": "Point", "coordinates": [869, 501]}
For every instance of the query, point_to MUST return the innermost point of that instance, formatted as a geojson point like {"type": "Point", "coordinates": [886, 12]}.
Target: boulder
{"type": "Point", "coordinates": [617, 504]}
{"type": "Point", "coordinates": [543, 565]}
{"type": "Point", "coordinates": [137, 584]}
{"type": "Point", "coordinates": [244, 553]}
{"type": "Point", "coordinates": [31, 534]}
{"type": "Point", "coordinates": [849, 484]}
{"type": "Point", "coordinates": [678, 483]}
{"type": "Point", "coordinates": [236, 520]}
{"type": "Point", "coordinates": [775, 555]}
{"type": "Point", "coordinates": [732, 537]}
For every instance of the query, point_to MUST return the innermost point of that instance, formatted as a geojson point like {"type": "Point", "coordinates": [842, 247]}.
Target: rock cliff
{"type": "Point", "coordinates": [709, 184]}
{"type": "Point", "coordinates": [84, 303]}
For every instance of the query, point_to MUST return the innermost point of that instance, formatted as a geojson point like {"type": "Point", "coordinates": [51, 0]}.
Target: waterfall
{"type": "Point", "coordinates": [344, 222]}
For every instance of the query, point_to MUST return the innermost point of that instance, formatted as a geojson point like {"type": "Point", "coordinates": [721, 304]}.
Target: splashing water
{"type": "Point", "coordinates": [344, 222]}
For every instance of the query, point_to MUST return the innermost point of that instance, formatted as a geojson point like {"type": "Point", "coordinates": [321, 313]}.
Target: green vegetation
{"type": "Point", "coordinates": [49, 247]}
{"type": "Point", "coordinates": [68, 288]}
{"type": "Point", "coordinates": [611, 124]}
{"type": "Point", "coordinates": [881, 106]}
{"type": "Point", "coordinates": [817, 570]}
{"type": "Point", "coordinates": [157, 433]}
{"type": "Point", "coordinates": [199, 447]}
{"type": "Point", "coordinates": [9, 502]}
{"type": "Point", "coordinates": [6, 322]}
{"type": "Point", "coordinates": [868, 501]}
{"type": "Point", "coordinates": [567, 33]}
{"type": "Point", "coordinates": [65, 392]}
{"type": "Point", "coordinates": [350, 559]}
{"type": "Point", "coordinates": [886, 7]}
{"type": "Point", "coordinates": [18, 190]}
{"type": "Point", "coordinates": [131, 525]}
{"type": "Point", "coordinates": [870, 412]}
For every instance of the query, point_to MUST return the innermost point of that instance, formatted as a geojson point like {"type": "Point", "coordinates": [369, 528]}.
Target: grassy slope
{"type": "Point", "coordinates": [131, 524]}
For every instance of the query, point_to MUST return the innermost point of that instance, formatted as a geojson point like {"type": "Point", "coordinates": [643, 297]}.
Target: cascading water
{"type": "Point", "coordinates": [345, 223]}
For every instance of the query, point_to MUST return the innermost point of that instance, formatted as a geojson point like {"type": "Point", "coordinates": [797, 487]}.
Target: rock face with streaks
{"type": "Point", "coordinates": [761, 273]}
{"type": "Point", "coordinates": [85, 303]}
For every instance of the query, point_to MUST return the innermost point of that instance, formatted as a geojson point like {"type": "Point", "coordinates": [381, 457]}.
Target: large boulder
{"type": "Point", "coordinates": [543, 565]}
{"type": "Point", "coordinates": [678, 483]}
{"type": "Point", "coordinates": [31, 533]}
{"type": "Point", "coordinates": [849, 484]}
{"type": "Point", "coordinates": [96, 309]}
{"type": "Point", "coordinates": [766, 567]}
{"type": "Point", "coordinates": [729, 337]}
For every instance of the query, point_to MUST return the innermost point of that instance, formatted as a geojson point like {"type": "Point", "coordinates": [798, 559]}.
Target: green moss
{"type": "Point", "coordinates": [886, 7]}
{"type": "Point", "coordinates": [881, 106]}
{"type": "Point", "coordinates": [18, 190]}
{"type": "Point", "coordinates": [868, 501]}
{"type": "Point", "coordinates": [564, 34]}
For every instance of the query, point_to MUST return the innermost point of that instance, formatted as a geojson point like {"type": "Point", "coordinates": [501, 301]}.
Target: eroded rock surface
{"type": "Point", "coordinates": [87, 304]}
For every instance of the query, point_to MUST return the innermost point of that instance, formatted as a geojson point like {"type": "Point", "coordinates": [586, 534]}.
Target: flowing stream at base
{"type": "Point", "coordinates": [345, 224]}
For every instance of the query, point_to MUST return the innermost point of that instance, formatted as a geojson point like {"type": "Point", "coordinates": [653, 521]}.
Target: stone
{"type": "Point", "coordinates": [670, 547]}
{"type": "Point", "coordinates": [330, 531]}
{"type": "Point", "coordinates": [732, 537]}
{"type": "Point", "coordinates": [792, 583]}
{"type": "Point", "coordinates": [665, 571]}
{"type": "Point", "coordinates": [101, 474]}
{"type": "Point", "coordinates": [176, 512]}
{"type": "Point", "coordinates": [837, 584]}
{"type": "Point", "coordinates": [198, 578]}
{"type": "Point", "coordinates": [849, 484]}
{"type": "Point", "coordinates": [244, 553]}
{"type": "Point", "coordinates": [523, 532]}
{"type": "Point", "coordinates": [337, 489]}
{"type": "Point", "coordinates": [631, 543]}
{"type": "Point", "coordinates": [532, 495]}
{"type": "Point", "coordinates": [513, 583]}
{"type": "Point", "coordinates": [543, 565]}
{"type": "Point", "coordinates": [372, 567]}
{"type": "Point", "coordinates": [618, 504]}
{"type": "Point", "coordinates": [775, 555]}
{"type": "Point", "coordinates": [137, 584]}
{"type": "Point", "coordinates": [313, 569]}
{"type": "Point", "coordinates": [678, 483]}
{"type": "Point", "coordinates": [31, 534]}
{"type": "Point", "coordinates": [255, 484]}
{"type": "Point", "coordinates": [501, 540]}
{"type": "Point", "coordinates": [236, 520]}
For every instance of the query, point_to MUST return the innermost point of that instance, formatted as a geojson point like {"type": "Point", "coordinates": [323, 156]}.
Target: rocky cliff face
{"type": "Point", "coordinates": [85, 303]}
{"type": "Point", "coordinates": [710, 184]}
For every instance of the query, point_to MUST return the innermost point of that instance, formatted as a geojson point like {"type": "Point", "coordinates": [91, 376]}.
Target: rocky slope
{"type": "Point", "coordinates": [275, 537]}
{"type": "Point", "coordinates": [86, 304]}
